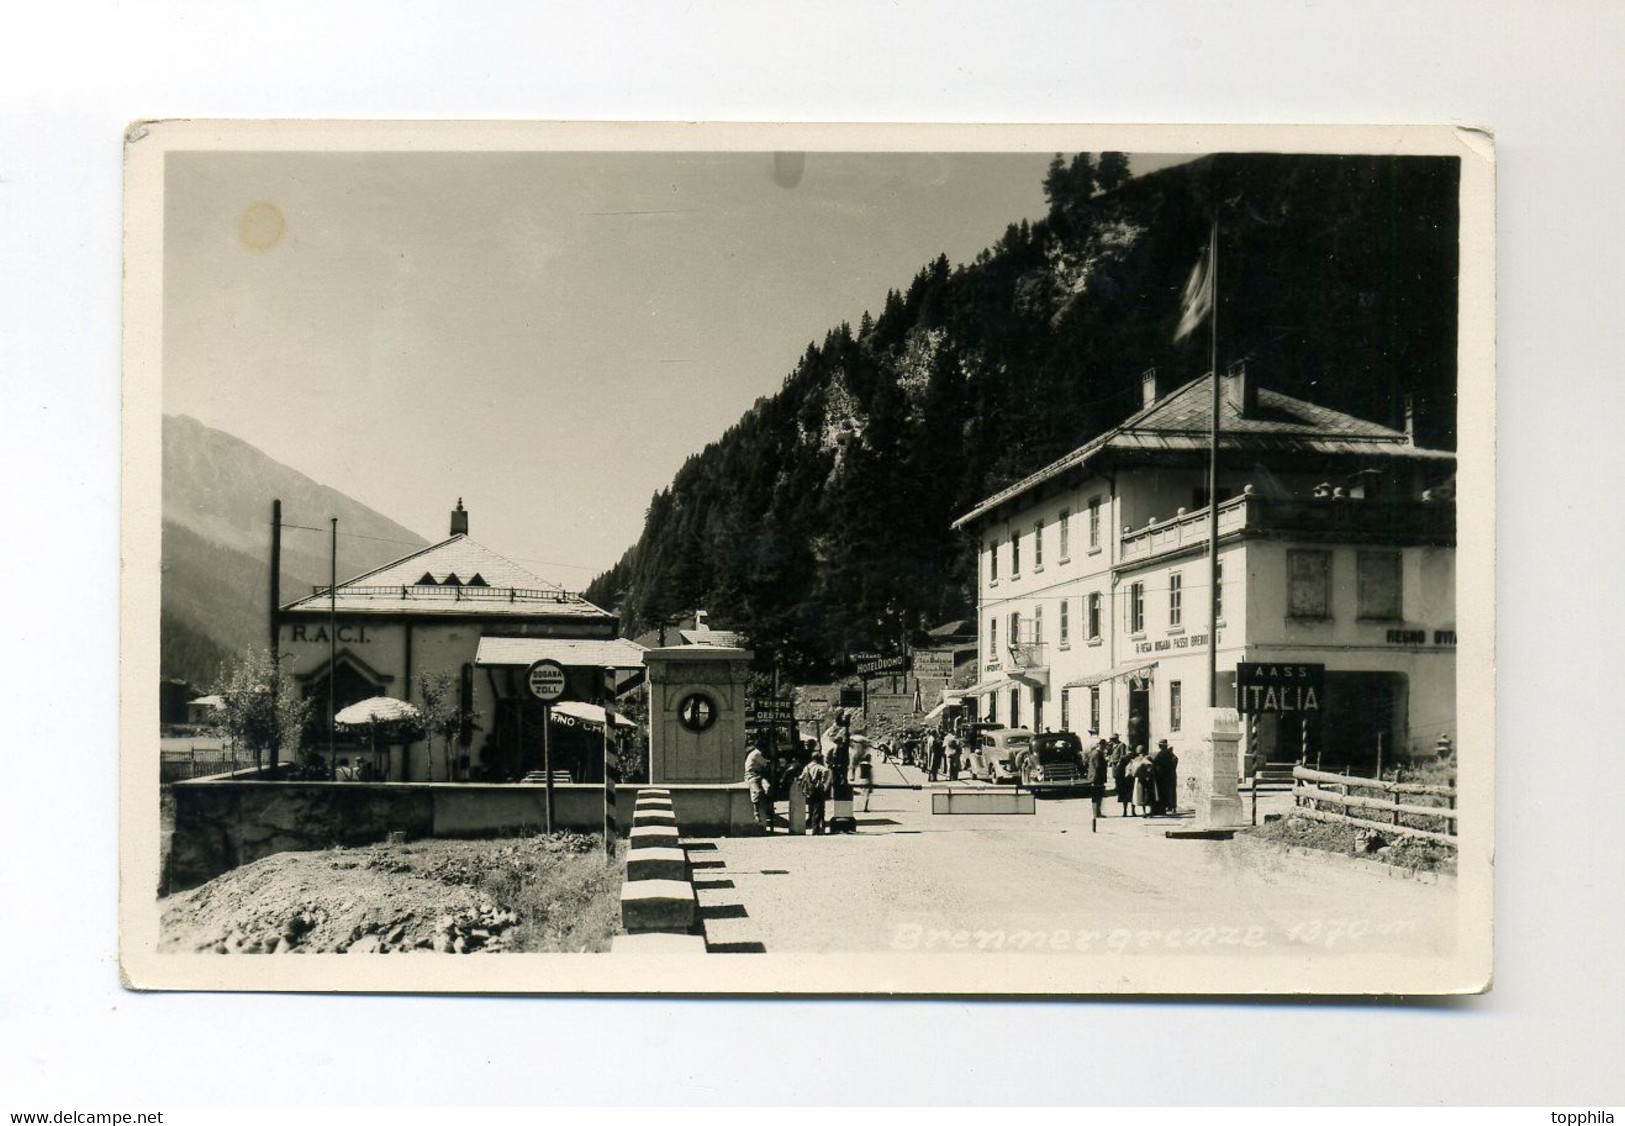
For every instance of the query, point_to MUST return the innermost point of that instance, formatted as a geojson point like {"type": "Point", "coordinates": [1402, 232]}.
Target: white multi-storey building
{"type": "Point", "coordinates": [1336, 548]}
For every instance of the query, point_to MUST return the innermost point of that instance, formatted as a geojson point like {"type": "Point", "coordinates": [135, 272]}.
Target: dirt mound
{"type": "Point", "coordinates": [442, 896]}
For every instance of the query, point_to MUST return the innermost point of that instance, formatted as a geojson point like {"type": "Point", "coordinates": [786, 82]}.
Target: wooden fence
{"type": "Point", "coordinates": [1313, 790]}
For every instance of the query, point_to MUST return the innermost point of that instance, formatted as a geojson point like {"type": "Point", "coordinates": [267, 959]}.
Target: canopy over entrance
{"type": "Point", "coordinates": [522, 652]}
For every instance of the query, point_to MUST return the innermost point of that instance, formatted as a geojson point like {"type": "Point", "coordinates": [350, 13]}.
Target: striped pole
{"type": "Point", "coordinates": [611, 765]}
{"type": "Point", "coordinates": [1304, 756]}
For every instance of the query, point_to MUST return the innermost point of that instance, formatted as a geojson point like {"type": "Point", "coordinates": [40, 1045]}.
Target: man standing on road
{"type": "Point", "coordinates": [955, 757]}
{"type": "Point", "coordinates": [1167, 767]}
{"type": "Point", "coordinates": [758, 778]}
{"type": "Point", "coordinates": [934, 755]}
{"type": "Point", "coordinates": [1095, 771]}
{"type": "Point", "coordinates": [815, 782]}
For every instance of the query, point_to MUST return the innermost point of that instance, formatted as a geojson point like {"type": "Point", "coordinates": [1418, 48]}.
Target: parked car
{"type": "Point", "coordinates": [1053, 761]}
{"type": "Point", "coordinates": [994, 753]}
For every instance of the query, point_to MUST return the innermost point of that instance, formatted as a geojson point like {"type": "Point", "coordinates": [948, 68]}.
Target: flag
{"type": "Point", "coordinates": [1197, 301]}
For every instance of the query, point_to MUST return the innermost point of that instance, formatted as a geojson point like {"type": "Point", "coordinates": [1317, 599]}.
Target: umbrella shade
{"type": "Point", "coordinates": [377, 709]}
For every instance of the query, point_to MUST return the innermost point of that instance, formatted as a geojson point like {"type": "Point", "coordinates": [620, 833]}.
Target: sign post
{"type": "Point", "coordinates": [545, 680]}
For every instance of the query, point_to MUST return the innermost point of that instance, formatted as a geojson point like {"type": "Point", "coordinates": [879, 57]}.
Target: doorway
{"type": "Point", "coordinates": [1139, 712]}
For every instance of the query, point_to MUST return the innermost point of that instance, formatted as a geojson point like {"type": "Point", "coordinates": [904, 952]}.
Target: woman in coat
{"type": "Point", "coordinates": [1121, 777]}
{"type": "Point", "coordinates": [1145, 782]}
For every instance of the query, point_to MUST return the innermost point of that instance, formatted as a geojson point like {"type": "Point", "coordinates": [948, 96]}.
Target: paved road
{"type": "Point", "coordinates": [911, 880]}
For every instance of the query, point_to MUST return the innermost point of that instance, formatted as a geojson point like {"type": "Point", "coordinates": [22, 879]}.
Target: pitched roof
{"type": "Point", "coordinates": [454, 577]}
{"type": "Point", "coordinates": [1182, 421]}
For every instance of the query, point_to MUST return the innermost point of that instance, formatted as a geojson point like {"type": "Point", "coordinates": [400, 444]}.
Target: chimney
{"type": "Point", "coordinates": [1410, 421]}
{"type": "Point", "coordinates": [699, 620]}
{"type": "Point", "coordinates": [1241, 391]}
{"type": "Point", "coordinates": [1150, 387]}
{"type": "Point", "coordinates": [459, 519]}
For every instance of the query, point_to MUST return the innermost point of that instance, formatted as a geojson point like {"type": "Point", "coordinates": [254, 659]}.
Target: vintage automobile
{"type": "Point", "coordinates": [1052, 762]}
{"type": "Point", "coordinates": [994, 753]}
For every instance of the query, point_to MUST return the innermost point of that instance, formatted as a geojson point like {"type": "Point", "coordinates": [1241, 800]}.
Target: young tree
{"type": "Point", "coordinates": [443, 717]}
{"type": "Point", "coordinates": [1111, 172]}
{"type": "Point", "coordinates": [262, 708]}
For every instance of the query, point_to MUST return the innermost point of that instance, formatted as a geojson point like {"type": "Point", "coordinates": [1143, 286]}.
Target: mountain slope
{"type": "Point", "coordinates": [216, 544]}
{"type": "Point", "coordinates": [819, 523]}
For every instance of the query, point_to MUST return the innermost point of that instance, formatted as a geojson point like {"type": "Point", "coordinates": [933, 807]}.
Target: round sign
{"type": "Point", "coordinates": [697, 711]}
{"type": "Point", "coordinates": [545, 679]}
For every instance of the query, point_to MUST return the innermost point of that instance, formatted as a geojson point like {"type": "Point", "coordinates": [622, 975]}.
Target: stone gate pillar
{"type": "Point", "coordinates": [697, 713]}
{"type": "Point", "coordinates": [1208, 777]}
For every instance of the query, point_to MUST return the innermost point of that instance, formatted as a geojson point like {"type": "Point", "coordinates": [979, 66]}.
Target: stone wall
{"type": "Point", "coordinates": [224, 822]}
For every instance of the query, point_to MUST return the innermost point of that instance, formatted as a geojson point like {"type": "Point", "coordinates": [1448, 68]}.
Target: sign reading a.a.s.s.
{"type": "Point", "coordinates": [1279, 687]}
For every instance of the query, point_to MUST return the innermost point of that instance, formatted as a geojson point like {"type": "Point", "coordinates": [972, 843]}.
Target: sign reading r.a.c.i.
{"type": "Point", "coordinates": [1272, 688]}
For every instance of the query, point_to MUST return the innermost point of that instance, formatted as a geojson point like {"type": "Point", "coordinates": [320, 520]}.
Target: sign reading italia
{"type": "Point", "coordinates": [1271, 688]}
{"type": "Point", "coordinates": [545, 679]}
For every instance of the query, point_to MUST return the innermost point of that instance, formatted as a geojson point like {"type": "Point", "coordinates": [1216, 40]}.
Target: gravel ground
{"type": "Point", "coordinates": [449, 896]}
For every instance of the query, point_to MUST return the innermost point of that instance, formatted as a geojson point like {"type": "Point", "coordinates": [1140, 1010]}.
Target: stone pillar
{"type": "Point", "coordinates": [697, 713]}
{"type": "Point", "coordinates": [1209, 772]}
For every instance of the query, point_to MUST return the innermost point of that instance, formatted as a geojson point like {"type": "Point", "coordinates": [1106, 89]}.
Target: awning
{"type": "Point", "coordinates": [376, 709]}
{"type": "Point", "coordinates": [936, 712]}
{"type": "Point", "coordinates": [1101, 678]}
{"type": "Point", "coordinates": [590, 714]}
{"type": "Point", "coordinates": [522, 652]}
{"type": "Point", "coordinates": [983, 686]}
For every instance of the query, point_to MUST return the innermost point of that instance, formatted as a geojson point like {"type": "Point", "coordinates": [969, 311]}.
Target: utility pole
{"type": "Point", "coordinates": [1213, 473]}
{"type": "Point", "coordinates": [276, 631]}
{"type": "Point", "coordinates": [332, 650]}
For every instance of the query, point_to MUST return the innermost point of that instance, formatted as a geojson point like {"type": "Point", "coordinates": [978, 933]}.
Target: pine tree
{"type": "Point", "coordinates": [1111, 172]}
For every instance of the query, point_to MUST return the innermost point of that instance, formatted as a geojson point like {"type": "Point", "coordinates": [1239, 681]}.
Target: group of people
{"type": "Point", "coordinates": [936, 752]}
{"type": "Point", "coordinates": [849, 768]}
{"type": "Point", "coordinates": [1145, 784]}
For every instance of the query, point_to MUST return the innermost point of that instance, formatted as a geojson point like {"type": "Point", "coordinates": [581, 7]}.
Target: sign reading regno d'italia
{"type": "Point", "coordinates": [1279, 688]}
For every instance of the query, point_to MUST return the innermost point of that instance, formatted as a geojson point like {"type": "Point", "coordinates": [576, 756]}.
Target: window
{"type": "Point", "coordinates": [992, 640]}
{"type": "Point", "coordinates": [1038, 546]}
{"type": "Point", "coordinates": [1136, 608]}
{"type": "Point", "coordinates": [1308, 584]}
{"type": "Point", "coordinates": [1094, 709]}
{"type": "Point", "coordinates": [1066, 625]}
{"type": "Point", "coordinates": [1015, 554]}
{"type": "Point", "coordinates": [1094, 523]}
{"type": "Point", "coordinates": [1218, 591]}
{"type": "Point", "coordinates": [1066, 710]}
{"type": "Point", "coordinates": [1094, 615]}
{"type": "Point", "coordinates": [1176, 600]}
{"type": "Point", "coordinates": [992, 561]}
{"type": "Point", "coordinates": [1176, 705]}
{"type": "Point", "coordinates": [1038, 625]}
{"type": "Point", "coordinates": [1378, 585]}
{"type": "Point", "coordinates": [1066, 520]}
{"type": "Point", "coordinates": [1015, 628]}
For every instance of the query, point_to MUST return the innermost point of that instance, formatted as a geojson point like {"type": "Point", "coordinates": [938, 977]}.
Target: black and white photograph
{"type": "Point", "coordinates": [808, 559]}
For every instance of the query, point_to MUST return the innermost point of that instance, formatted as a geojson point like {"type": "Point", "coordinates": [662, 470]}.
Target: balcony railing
{"type": "Point", "coordinates": [1028, 655]}
{"type": "Point", "coordinates": [1343, 520]}
{"type": "Point", "coordinates": [426, 593]}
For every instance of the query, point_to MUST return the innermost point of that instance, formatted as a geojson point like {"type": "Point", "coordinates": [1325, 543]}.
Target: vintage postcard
{"type": "Point", "coordinates": [802, 559]}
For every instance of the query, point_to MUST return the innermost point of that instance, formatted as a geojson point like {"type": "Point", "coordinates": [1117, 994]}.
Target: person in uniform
{"type": "Point", "coordinates": [814, 783]}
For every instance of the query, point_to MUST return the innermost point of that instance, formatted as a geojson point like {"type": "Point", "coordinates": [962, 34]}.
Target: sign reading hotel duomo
{"type": "Point", "coordinates": [1336, 552]}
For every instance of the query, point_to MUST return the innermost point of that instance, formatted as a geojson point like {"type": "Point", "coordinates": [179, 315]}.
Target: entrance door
{"type": "Point", "coordinates": [1038, 709]}
{"type": "Point", "coordinates": [1139, 713]}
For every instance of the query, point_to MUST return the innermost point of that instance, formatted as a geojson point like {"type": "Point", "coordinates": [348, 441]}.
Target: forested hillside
{"type": "Point", "coordinates": [819, 523]}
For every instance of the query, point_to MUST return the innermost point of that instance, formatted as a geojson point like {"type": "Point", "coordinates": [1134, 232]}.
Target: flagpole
{"type": "Point", "coordinates": [1213, 470]}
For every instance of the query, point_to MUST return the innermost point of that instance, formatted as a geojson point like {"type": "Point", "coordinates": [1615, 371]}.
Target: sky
{"type": "Point", "coordinates": [545, 335]}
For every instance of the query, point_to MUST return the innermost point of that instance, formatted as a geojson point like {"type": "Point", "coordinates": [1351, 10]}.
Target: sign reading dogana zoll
{"type": "Point", "coordinates": [545, 679]}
